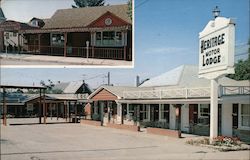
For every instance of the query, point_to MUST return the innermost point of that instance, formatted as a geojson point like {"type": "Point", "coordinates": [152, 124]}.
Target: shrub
{"type": "Point", "coordinates": [226, 141]}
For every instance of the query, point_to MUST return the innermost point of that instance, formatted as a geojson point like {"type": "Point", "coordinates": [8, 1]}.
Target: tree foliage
{"type": "Point", "coordinates": [242, 68]}
{"type": "Point", "coordinates": [50, 87]}
{"type": "Point", "coordinates": [130, 9]}
{"type": "Point", "coordinates": [88, 3]}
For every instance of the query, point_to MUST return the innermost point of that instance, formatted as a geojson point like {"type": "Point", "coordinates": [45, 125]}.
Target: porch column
{"type": "Point", "coordinates": [4, 108]}
{"type": "Point", "coordinates": [177, 116]}
{"type": "Point", "coordinates": [68, 110]}
{"type": "Point", "coordinates": [39, 43]}
{"type": "Point", "coordinates": [125, 45]}
{"type": "Point", "coordinates": [65, 44]}
{"type": "Point", "coordinates": [138, 115]}
{"type": "Point", "coordinates": [160, 106]}
{"type": "Point", "coordinates": [119, 113]}
{"type": "Point", "coordinates": [40, 106]}
{"type": "Point", "coordinates": [92, 44]}
{"type": "Point", "coordinates": [75, 112]}
{"type": "Point", "coordinates": [57, 109]}
{"type": "Point", "coordinates": [214, 109]}
{"type": "Point", "coordinates": [109, 113]}
{"type": "Point", "coordinates": [44, 108]}
{"type": "Point", "coordinates": [18, 41]}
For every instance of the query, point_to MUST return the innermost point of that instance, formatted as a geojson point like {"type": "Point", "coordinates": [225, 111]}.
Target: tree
{"type": "Point", "coordinates": [88, 3]}
{"type": "Point", "coordinates": [242, 68]}
{"type": "Point", "coordinates": [130, 9]}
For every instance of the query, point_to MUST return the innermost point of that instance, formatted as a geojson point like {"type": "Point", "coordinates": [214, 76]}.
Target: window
{"type": "Point", "coordinates": [109, 35]}
{"type": "Point", "coordinates": [165, 111]}
{"type": "Point", "coordinates": [108, 38]}
{"type": "Point", "coordinates": [131, 109]}
{"type": "Point", "coordinates": [204, 113]}
{"type": "Point", "coordinates": [7, 36]}
{"type": "Point", "coordinates": [57, 39]}
{"type": "Point", "coordinates": [98, 36]}
{"type": "Point", "coordinates": [245, 115]}
{"type": "Point", "coordinates": [14, 34]}
{"type": "Point", "coordinates": [204, 110]}
{"type": "Point", "coordinates": [143, 112]}
{"type": "Point", "coordinates": [118, 36]}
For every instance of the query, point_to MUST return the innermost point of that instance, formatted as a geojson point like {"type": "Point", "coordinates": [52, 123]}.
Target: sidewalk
{"type": "Point", "coordinates": [59, 60]}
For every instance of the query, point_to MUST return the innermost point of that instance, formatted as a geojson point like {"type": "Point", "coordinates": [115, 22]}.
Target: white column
{"type": "Point", "coordinates": [226, 119]}
{"type": "Point", "coordinates": [172, 117]}
{"type": "Point", "coordinates": [119, 113]}
{"type": "Point", "coordinates": [214, 109]}
{"type": "Point", "coordinates": [148, 112]}
{"type": "Point", "coordinates": [160, 106]}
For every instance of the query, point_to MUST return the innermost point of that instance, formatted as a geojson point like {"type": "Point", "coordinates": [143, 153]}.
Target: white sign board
{"type": "Point", "coordinates": [216, 48]}
{"type": "Point", "coordinates": [30, 107]}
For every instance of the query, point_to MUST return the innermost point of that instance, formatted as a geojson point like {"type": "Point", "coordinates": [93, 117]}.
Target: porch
{"type": "Point", "coordinates": [101, 44]}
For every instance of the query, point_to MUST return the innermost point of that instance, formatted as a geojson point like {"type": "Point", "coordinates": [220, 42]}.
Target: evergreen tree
{"type": "Point", "coordinates": [130, 13]}
{"type": "Point", "coordinates": [88, 3]}
{"type": "Point", "coordinates": [242, 68]}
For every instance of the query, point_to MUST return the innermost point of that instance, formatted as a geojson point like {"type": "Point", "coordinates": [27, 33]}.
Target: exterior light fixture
{"type": "Point", "coordinates": [216, 12]}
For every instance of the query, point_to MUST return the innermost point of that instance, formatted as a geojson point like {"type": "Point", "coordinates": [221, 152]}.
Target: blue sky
{"type": "Point", "coordinates": [166, 36]}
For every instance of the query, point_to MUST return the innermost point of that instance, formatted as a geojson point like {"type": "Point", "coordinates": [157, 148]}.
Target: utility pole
{"type": "Point", "coordinates": [108, 78]}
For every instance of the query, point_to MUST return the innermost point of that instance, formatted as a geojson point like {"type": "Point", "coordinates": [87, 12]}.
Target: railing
{"type": "Point", "coordinates": [105, 53]}
{"type": "Point", "coordinates": [235, 90]}
{"type": "Point", "coordinates": [166, 94]}
{"type": "Point", "coordinates": [186, 93]}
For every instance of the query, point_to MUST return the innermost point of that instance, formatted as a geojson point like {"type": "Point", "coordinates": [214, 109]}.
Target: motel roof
{"type": "Point", "coordinates": [21, 86]}
{"type": "Point", "coordinates": [73, 87]}
{"type": "Point", "coordinates": [117, 90]}
{"type": "Point", "coordinates": [82, 17]}
{"type": "Point", "coordinates": [187, 76]}
{"type": "Point", "coordinates": [181, 79]}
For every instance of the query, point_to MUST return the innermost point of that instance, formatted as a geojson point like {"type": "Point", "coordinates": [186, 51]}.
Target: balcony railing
{"type": "Point", "coordinates": [84, 52]}
{"type": "Point", "coordinates": [167, 94]}
{"type": "Point", "coordinates": [186, 93]}
{"type": "Point", "coordinates": [235, 90]}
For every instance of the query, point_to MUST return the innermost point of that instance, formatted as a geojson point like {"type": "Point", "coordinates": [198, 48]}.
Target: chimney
{"type": "Point", "coordinates": [137, 81]}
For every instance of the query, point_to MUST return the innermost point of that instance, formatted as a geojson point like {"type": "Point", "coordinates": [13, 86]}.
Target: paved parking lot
{"type": "Point", "coordinates": [67, 141]}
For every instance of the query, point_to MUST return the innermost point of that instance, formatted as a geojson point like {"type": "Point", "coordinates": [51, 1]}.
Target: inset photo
{"type": "Point", "coordinates": [81, 33]}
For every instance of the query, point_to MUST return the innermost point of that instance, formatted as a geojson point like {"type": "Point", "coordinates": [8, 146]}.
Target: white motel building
{"type": "Point", "coordinates": [176, 100]}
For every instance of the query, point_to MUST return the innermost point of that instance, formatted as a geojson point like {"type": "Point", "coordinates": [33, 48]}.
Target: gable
{"type": "Point", "coordinates": [108, 20]}
{"type": "Point", "coordinates": [104, 95]}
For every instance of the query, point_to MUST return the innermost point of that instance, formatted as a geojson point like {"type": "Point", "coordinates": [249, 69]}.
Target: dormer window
{"type": "Point", "coordinates": [34, 23]}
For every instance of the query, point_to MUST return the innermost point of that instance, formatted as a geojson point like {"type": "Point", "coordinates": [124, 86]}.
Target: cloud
{"type": "Point", "coordinates": [167, 50]}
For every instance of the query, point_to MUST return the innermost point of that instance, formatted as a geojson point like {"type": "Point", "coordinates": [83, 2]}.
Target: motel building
{"type": "Point", "coordinates": [92, 32]}
{"type": "Point", "coordinates": [68, 103]}
{"type": "Point", "coordinates": [172, 103]}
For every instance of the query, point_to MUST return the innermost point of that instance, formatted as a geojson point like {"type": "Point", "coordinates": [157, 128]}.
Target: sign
{"type": "Point", "coordinates": [216, 48]}
{"type": "Point", "coordinates": [30, 107]}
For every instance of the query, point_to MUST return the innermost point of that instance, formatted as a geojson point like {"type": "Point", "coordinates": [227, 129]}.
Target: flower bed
{"type": "Point", "coordinates": [221, 143]}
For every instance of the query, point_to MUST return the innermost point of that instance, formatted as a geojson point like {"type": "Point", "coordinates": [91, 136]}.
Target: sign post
{"type": "Point", "coordinates": [216, 59]}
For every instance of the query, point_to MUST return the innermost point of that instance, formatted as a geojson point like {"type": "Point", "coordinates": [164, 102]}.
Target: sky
{"type": "Point", "coordinates": [24, 10]}
{"type": "Point", "coordinates": [166, 36]}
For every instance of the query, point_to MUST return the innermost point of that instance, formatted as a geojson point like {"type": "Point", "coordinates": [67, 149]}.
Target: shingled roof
{"type": "Point", "coordinates": [82, 17]}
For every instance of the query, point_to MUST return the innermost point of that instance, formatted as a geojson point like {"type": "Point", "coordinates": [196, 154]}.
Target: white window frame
{"type": "Point", "coordinates": [199, 111]}
{"type": "Point", "coordinates": [162, 111]}
{"type": "Point", "coordinates": [95, 43]}
{"type": "Point", "coordinates": [57, 44]}
{"type": "Point", "coordinates": [144, 111]}
{"type": "Point", "coordinates": [240, 118]}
